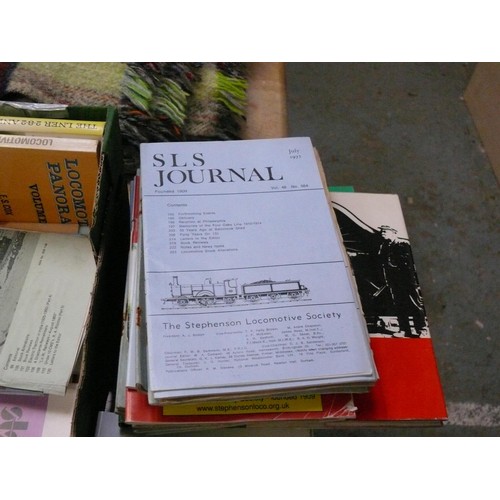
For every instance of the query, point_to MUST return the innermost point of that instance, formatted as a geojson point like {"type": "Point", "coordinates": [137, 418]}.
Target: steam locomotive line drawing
{"type": "Point", "coordinates": [228, 292]}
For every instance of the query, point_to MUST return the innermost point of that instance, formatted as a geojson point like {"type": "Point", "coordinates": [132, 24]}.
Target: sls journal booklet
{"type": "Point", "coordinates": [248, 289]}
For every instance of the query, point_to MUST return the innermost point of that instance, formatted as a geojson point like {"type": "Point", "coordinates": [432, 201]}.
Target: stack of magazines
{"type": "Point", "coordinates": [241, 305]}
{"type": "Point", "coordinates": [247, 305]}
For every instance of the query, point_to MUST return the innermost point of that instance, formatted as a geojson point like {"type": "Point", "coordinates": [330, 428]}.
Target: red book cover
{"type": "Point", "coordinates": [328, 408]}
{"type": "Point", "coordinates": [375, 237]}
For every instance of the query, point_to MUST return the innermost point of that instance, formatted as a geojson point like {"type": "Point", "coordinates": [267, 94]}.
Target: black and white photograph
{"type": "Point", "coordinates": [379, 249]}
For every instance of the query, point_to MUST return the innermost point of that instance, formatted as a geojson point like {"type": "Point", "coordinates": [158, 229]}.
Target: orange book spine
{"type": "Point", "coordinates": [48, 180]}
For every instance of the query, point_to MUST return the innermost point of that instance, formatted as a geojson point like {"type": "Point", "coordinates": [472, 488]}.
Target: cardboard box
{"type": "Point", "coordinates": [482, 97]}
{"type": "Point", "coordinates": [109, 235]}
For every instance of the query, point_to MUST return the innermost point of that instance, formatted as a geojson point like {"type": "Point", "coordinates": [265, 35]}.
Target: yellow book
{"type": "Point", "coordinates": [51, 126]}
{"type": "Point", "coordinates": [48, 179]}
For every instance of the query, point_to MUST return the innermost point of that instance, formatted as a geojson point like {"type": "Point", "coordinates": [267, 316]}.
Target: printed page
{"type": "Point", "coordinates": [246, 279]}
{"type": "Point", "coordinates": [46, 281]}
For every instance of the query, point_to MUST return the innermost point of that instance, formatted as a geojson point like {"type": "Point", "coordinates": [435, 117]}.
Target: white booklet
{"type": "Point", "coordinates": [248, 287]}
{"type": "Point", "coordinates": [46, 283]}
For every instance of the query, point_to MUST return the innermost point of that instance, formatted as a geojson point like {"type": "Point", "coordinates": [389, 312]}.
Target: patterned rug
{"type": "Point", "coordinates": [156, 101]}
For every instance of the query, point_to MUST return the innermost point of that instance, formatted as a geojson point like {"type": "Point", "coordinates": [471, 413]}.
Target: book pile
{"type": "Point", "coordinates": [59, 160]}
{"type": "Point", "coordinates": [49, 173]}
{"type": "Point", "coordinates": [231, 317]}
{"type": "Point", "coordinates": [256, 298]}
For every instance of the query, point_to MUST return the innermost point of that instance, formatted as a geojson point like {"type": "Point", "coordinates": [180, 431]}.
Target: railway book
{"type": "Point", "coordinates": [48, 180]}
{"type": "Point", "coordinates": [46, 284]}
{"type": "Point", "coordinates": [248, 287]}
{"type": "Point", "coordinates": [55, 127]}
{"type": "Point", "coordinates": [282, 412]}
{"type": "Point", "coordinates": [376, 238]}
{"type": "Point", "coordinates": [129, 367]}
